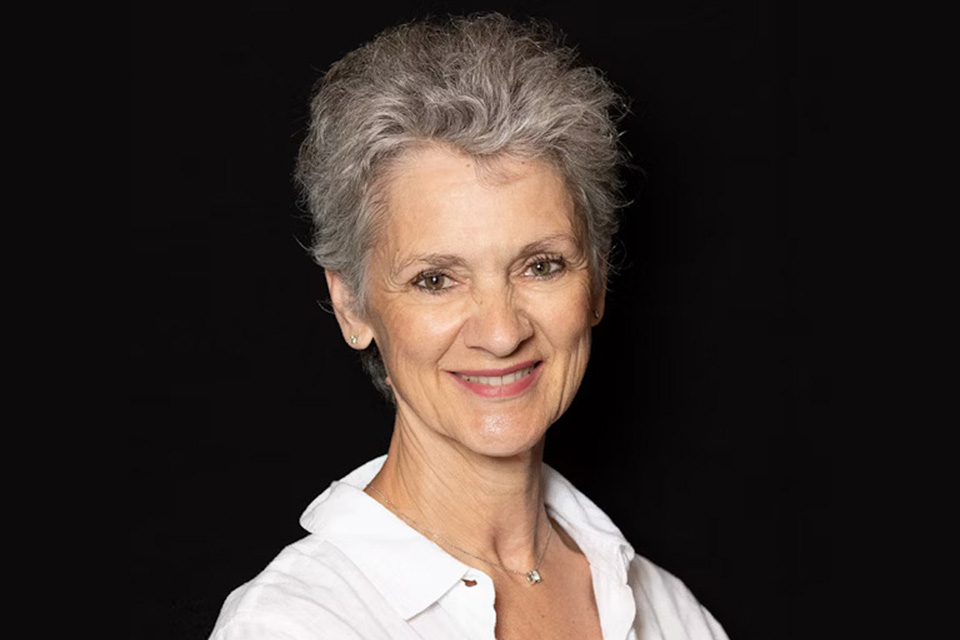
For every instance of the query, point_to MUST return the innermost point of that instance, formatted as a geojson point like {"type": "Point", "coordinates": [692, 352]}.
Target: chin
{"type": "Point", "coordinates": [500, 437]}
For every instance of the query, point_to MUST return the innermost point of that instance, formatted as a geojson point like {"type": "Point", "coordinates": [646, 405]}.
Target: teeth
{"type": "Point", "coordinates": [497, 381]}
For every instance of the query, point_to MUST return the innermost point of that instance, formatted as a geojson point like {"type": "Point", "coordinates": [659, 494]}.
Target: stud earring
{"type": "Point", "coordinates": [353, 339]}
{"type": "Point", "coordinates": [596, 314]}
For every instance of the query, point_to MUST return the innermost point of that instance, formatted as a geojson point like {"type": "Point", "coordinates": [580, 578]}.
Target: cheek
{"type": "Point", "coordinates": [416, 334]}
{"type": "Point", "coordinates": [566, 323]}
{"type": "Point", "coordinates": [566, 319]}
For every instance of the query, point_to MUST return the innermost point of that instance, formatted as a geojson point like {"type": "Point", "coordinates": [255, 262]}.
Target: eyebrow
{"type": "Point", "coordinates": [450, 260]}
{"type": "Point", "coordinates": [437, 260]}
{"type": "Point", "coordinates": [546, 244]}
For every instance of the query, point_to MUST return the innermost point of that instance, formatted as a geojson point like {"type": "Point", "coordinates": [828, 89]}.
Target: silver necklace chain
{"type": "Point", "coordinates": [533, 575]}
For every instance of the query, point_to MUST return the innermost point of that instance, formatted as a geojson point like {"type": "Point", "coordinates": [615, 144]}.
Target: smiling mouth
{"type": "Point", "coordinates": [499, 381]}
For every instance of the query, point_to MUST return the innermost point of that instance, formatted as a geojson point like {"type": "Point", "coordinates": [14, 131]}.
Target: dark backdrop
{"type": "Point", "coordinates": [703, 425]}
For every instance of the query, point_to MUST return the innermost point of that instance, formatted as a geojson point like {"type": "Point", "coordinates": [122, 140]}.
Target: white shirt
{"type": "Point", "coordinates": [364, 574]}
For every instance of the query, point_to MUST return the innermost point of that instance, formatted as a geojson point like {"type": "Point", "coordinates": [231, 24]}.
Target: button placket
{"type": "Point", "coordinates": [471, 605]}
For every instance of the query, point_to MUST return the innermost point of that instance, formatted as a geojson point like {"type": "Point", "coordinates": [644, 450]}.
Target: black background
{"type": "Point", "coordinates": [703, 427]}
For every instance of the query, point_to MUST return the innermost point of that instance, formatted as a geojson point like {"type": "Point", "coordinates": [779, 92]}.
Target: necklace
{"type": "Point", "coordinates": [533, 575]}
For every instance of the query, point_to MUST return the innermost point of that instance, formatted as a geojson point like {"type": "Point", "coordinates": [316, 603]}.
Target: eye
{"type": "Point", "coordinates": [433, 282]}
{"type": "Point", "coordinates": [546, 267]}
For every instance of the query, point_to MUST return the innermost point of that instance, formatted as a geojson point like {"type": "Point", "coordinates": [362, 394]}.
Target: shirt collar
{"type": "Point", "coordinates": [408, 569]}
{"type": "Point", "coordinates": [411, 571]}
{"type": "Point", "coordinates": [593, 531]}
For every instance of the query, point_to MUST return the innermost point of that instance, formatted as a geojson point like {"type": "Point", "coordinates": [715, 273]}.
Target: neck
{"type": "Point", "coordinates": [490, 506]}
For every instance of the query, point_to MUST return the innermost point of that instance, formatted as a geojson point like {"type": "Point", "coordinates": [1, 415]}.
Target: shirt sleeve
{"type": "Point", "coordinates": [666, 609]}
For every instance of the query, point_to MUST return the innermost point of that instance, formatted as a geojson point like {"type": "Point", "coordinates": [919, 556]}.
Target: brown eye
{"type": "Point", "coordinates": [433, 282]}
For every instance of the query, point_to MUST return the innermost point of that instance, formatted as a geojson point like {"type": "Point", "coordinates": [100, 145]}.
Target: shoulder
{"type": "Point", "coordinates": [665, 605]}
{"type": "Point", "coordinates": [310, 590]}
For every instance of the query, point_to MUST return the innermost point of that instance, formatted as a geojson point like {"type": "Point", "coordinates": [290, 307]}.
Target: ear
{"type": "Point", "coordinates": [352, 324]}
{"type": "Point", "coordinates": [598, 304]}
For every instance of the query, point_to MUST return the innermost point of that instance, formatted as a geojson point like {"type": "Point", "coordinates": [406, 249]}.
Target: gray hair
{"type": "Point", "coordinates": [485, 85]}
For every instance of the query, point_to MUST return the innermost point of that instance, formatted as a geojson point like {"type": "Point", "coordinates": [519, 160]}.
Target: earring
{"type": "Point", "coordinates": [596, 314]}
{"type": "Point", "coordinates": [353, 339]}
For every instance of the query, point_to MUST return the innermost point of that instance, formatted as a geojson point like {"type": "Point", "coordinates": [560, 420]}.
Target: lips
{"type": "Point", "coordinates": [500, 382]}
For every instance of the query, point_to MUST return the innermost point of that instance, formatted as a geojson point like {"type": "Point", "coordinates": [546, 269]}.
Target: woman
{"type": "Point", "coordinates": [463, 181]}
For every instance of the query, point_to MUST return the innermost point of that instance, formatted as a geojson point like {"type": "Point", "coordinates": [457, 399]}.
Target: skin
{"type": "Point", "coordinates": [480, 270]}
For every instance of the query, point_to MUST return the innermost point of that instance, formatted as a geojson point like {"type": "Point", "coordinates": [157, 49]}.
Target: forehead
{"type": "Point", "coordinates": [436, 196]}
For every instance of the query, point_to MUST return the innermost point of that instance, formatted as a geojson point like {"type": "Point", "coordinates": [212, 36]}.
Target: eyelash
{"type": "Point", "coordinates": [420, 280]}
{"type": "Point", "coordinates": [422, 277]}
{"type": "Point", "coordinates": [548, 259]}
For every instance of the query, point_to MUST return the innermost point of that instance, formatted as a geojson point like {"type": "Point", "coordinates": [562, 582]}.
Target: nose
{"type": "Point", "coordinates": [498, 324]}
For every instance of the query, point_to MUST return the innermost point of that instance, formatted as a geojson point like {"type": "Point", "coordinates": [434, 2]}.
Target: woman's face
{"type": "Point", "coordinates": [480, 300]}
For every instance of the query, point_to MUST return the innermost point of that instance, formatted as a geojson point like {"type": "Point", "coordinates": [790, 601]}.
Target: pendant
{"type": "Point", "coordinates": [533, 576]}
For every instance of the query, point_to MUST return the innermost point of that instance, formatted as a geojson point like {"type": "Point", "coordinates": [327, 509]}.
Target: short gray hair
{"type": "Point", "coordinates": [485, 85]}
